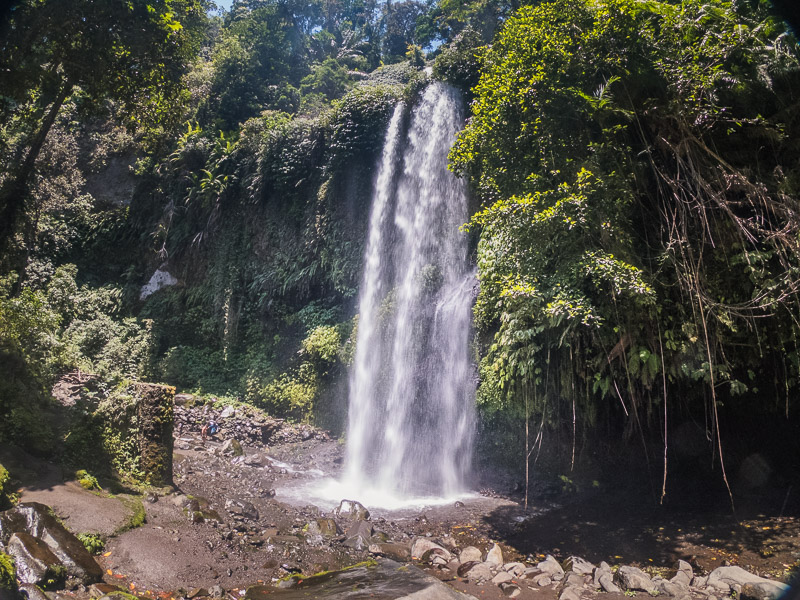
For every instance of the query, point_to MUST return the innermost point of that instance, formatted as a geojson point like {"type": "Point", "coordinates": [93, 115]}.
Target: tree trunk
{"type": "Point", "coordinates": [13, 193]}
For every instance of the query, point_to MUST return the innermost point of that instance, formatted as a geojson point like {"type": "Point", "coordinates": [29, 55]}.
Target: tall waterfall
{"type": "Point", "coordinates": [411, 414]}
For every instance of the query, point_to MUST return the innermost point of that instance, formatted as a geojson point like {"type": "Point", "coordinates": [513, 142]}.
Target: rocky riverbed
{"type": "Point", "coordinates": [245, 519]}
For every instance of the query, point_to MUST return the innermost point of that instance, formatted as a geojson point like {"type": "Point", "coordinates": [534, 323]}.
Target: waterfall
{"type": "Point", "coordinates": [411, 413]}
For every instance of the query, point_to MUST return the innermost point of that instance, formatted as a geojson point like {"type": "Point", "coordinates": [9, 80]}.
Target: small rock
{"type": "Point", "coordinates": [569, 593]}
{"type": "Point", "coordinates": [27, 590]}
{"type": "Point", "coordinates": [606, 583]}
{"type": "Point", "coordinates": [515, 568]}
{"type": "Point", "coordinates": [765, 590]}
{"type": "Point", "coordinates": [423, 546]}
{"type": "Point", "coordinates": [669, 588]}
{"type": "Point", "coordinates": [512, 590]}
{"type": "Point", "coordinates": [542, 580]}
{"type": "Point", "coordinates": [632, 578]}
{"type": "Point", "coordinates": [578, 565]}
{"type": "Point", "coordinates": [458, 504]}
{"type": "Point", "coordinates": [479, 572]}
{"type": "Point", "coordinates": [495, 556]}
{"type": "Point", "coordinates": [470, 554]}
{"type": "Point", "coordinates": [216, 591]}
{"type": "Point", "coordinates": [232, 447]}
{"type": "Point", "coordinates": [465, 567]}
{"type": "Point", "coordinates": [151, 497]}
{"type": "Point", "coordinates": [501, 577]}
{"type": "Point", "coordinates": [551, 567]}
{"type": "Point", "coordinates": [573, 579]}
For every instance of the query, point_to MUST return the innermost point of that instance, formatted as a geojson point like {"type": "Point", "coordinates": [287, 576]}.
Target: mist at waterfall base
{"type": "Point", "coordinates": [411, 415]}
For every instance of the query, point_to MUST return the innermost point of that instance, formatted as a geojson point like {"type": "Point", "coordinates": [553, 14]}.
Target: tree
{"type": "Point", "coordinates": [133, 52]}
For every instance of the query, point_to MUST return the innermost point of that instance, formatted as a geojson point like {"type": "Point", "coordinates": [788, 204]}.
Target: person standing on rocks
{"type": "Point", "coordinates": [209, 429]}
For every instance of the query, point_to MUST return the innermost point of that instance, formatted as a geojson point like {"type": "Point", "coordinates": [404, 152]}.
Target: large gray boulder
{"type": "Point", "coordinates": [724, 579]}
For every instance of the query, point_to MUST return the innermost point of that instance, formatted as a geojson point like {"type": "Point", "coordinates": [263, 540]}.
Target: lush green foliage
{"type": "Point", "coordinates": [631, 238]}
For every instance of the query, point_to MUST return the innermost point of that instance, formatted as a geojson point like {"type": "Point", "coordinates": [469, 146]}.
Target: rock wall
{"type": "Point", "coordinates": [155, 404]}
{"type": "Point", "coordinates": [247, 424]}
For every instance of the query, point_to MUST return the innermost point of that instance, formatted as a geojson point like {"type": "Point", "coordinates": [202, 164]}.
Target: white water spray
{"type": "Point", "coordinates": [411, 414]}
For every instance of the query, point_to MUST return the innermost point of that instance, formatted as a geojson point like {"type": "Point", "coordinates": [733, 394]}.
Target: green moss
{"type": "Point", "coordinates": [93, 543]}
{"type": "Point", "coordinates": [138, 515]}
{"type": "Point", "coordinates": [8, 572]}
{"type": "Point", "coordinates": [87, 481]}
{"type": "Point", "coordinates": [6, 496]}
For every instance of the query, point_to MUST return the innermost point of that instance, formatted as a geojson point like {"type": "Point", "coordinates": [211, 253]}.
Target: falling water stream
{"type": "Point", "coordinates": [411, 409]}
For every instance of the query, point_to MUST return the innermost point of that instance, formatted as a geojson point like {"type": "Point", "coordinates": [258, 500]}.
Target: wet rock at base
{"type": "Point", "coordinates": [351, 509]}
{"type": "Point", "coordinates": [34, 560]}
{"type": "Point", "coordinates": [36, 520]}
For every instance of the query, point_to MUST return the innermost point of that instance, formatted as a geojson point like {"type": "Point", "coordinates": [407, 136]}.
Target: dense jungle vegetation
{"type": "Point", "coordinates": [635, 167]}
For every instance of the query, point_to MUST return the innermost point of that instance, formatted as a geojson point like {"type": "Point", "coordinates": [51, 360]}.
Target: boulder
{"type": "Point", "coordinates": [479, 572]}
{"type": "Point", "coordinates": [512, 590]}
{"type": "Point", "coordinates": [550, 567]}
{"type": "Point", "coordinates": [34, 560]}
{"type": "Point", "coordinates": [399, 552]}
{"type": "Point", "coordinates": [606, 583]}
{"type": "Point", "coordinates": [465, 567]}
{"type": "Point", "coordinates": [734, 578]}
{"type": "Point", "coordinates": [578, 565]}
{"type": "Point", "coordinates": [632, 578]}
{"type": "Point", "coordinates": [672, 589]}
{"type": "Point", "coordinates": [542, 580]}
{"type": "Point", "coordinates": [470, 554]}
{"type": "Point", "coordinates": [515, 568]}
{"type": "Point", "coordinates": [573, 579]}
{"type": "Point", "coordinates": [763, 590]}
{"type": "Point", "coordinates": [424, 546]}
{"type": "Point", "coordinates": [683, 573]}
{"type": "Point", "coordinates": [359, 536]}
{"type": "Point", "coordinates": [232, 447]}
{"type": "Point", "coordinates": [351, 509]}
{"type": "Point", "coordinates": [495, 556]}
{"type": "Point", "coordinates": [501, 577]}
{"type": "Point", "coordinates": [570, 593]}
{"type": "Point", "coordinates": [242, 508]}
{"type": "Point", "coordinates": [328, 527]}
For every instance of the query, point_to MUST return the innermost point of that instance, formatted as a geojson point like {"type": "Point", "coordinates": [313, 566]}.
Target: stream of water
{"type": "Point", "coordinates": [411, 409]}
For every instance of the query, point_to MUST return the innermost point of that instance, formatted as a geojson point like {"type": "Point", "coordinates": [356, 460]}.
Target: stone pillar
{"type": "Point", "coordinates": [155, 405]}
